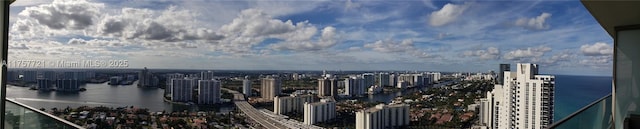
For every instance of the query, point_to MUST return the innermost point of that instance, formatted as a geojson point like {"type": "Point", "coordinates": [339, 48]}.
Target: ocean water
{"type": "Point", "coordinates": [574, 92]}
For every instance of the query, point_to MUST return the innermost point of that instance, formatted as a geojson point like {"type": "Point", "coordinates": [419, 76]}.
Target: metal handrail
{"type": "Point", "coordinates": [45, 113]}
{"type": "Point", "coordinates": [578, 112]}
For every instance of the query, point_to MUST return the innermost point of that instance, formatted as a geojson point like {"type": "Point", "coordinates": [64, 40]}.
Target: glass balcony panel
{"type": "Point", "coordinates": [596, 115]}
{"type": "Point", "coordinates": [20, 116]}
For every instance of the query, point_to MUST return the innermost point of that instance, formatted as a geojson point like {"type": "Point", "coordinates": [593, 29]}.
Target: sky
{"type": "Point", "coordinates": [405, 35]}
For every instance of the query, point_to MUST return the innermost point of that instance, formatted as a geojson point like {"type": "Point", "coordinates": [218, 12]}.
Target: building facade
{"type": "Point", "coordinates": [206, 75]}
{"type": "Point", "coordinates": [319, 111]}
{"type": "Point", "coordinates": [292, 103]}
{"type": "Point", "coordinates": [383, 79]}
{"type": "Point", "coordinates": [354, 86]}
{"type": "Point", "coordinates": [246, 86]}
{"type": "Point", "coordinates": [208, 91]}
{"type": "Point", "coordinates": [29, 76]}
{"type": "Point", "coordinates": [525, 100]}
{"type": "Point", "coordinates": [503, 68]}
{"type": "Point", "coordinates": [270, 87]}
{"type": "Point", "coordinates": [327, 87]}
{"type": "Point", "coordinates": [182, 90]}
{"type": "Point", "coordinates": [44, 84]}
{"type": "Point", "coordinates": [147, 79]}
{"type": "Point", "coordinates": [67, 85]}
{"type": "Point", "coordinates": [369, 79]}
{"type": "Point", "coordinates": [383, 117]}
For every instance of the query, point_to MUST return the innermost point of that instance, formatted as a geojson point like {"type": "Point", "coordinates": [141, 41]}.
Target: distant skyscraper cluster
{"type": "Point", "coordinates": [203, 89]}
{"type": "Point", "coordinates": [383, 117]}
{"type": "Point", "coordinates": [524, 100]}
{"type": "Point", "coordinates": [61, 80]}
{"type": "Point", "coordinates": [414, 80]}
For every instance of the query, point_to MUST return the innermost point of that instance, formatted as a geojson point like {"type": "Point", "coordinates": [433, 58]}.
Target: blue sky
{"type": "Point", "coordinates": [463, 36]}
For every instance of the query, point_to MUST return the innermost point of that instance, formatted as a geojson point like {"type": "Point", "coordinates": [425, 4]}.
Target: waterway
{"type": "Point", "coordinates": [105, 95]}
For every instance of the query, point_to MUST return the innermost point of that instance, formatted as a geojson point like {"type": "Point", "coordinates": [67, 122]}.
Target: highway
{"type": "Point", "coordinates": [253, 113]}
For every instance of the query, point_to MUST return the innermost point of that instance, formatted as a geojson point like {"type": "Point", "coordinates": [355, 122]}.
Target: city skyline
{"type": "Point", "coordinates": [451, 36]}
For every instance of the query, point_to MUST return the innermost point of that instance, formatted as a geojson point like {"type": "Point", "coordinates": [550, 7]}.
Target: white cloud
{"type": "Point", "coordinates": [449, 13]}
{"type": "Point", "coordinates": [555, 59]}
{"type": "Point", "coordinates": [537, 23]}
{"type": "Point", "coordinates": [18, 46]}
{"type": "Point", "coordinates": [429, 4]}
{"type": "Point", "coordinates": [349, 4]}
{"type": "Point", "coordinates": [390, 46]}
{"type": "Point", "coordinates": [528, 53]}
{"type": "Point", "coordinates": [404, 46]}
{"type": "Point", "coordinates": [72, 15]}
{"type": "Point", "coordinates": [597, 49]}
{"type": "Point", "coordinates": [327, 39]}
{"type": "Point", "coordinates": [599, 54]}
{"type": "Point", "coordinates": [253, 26]}
{"type": "Point", "coordinates": [597, 60]}
{"type": "Point", "coordinates": [489, 53]}
{"type": "Point", "coordinates": [169, 25]}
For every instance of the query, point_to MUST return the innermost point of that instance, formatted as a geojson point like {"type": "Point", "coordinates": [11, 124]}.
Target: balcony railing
{"type": "Point", "coordinates": [596, 115]}
{"type": "Point", "coordinates": [21, 116]}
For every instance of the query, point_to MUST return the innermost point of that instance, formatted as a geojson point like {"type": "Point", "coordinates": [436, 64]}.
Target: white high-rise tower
{"type": "Point", "coordinates": [525, 100]}
{"type": "Point", "coordinates": [246, 86]}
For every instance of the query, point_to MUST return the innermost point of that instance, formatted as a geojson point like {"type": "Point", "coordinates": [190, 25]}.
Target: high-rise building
{"type": "Point", "coordinates": [383, 79]}
{"type": "Point", "coordinates": [434, 76]}
{"type": "Point", "coordinates": [402, 84]}
{"type": "Point", "coordinates": [369, 79]}
{"type": "Point", "coordinates": [503, 68]}
{"type": "Point", "coordinates": [406, 78]}
{"type": "Point", "coordinates": [208, 91]}
{"type": "Point", "coordinates": [115, 80]}
{"type": "Point", "coordinates": [246, 86]}
{"type": "Point", "coordinates": [182, 90]}
{"type": "Point", "coordinates": [525, 100]}
{"type": "Point", "coordinates": [270, 87]}
{"type": "Point", "coordinates": [418, 80]}
{"type": "Point", "coordinates": [292, 103]}
{"type": "Point", "coordinates": [327, 87]}
{"type": "Point", "coordinates": [319, 111]}
{"type": "Point", "coordinates": [354, 86]}
{"type": "Point", "coordinates": [143, 77]}
{"type": "Point", "coordinates": [67, 85]}
{"type": "Point", "coordinates": [29, 76]}
{"type": "Point", "coordinates": [383, 117]}
{"type": "Point", "coordinates": [393, 79]}
{"type": "Point", "coordinates": [206, 75]}
{"type": "Point", "coordinates": [44, 84]}
{"type": "Point", "coordinates": [169, 81]}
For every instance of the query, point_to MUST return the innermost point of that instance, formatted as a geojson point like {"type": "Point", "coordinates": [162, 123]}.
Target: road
{"type": "Point", "coordinates": [253, 113]}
